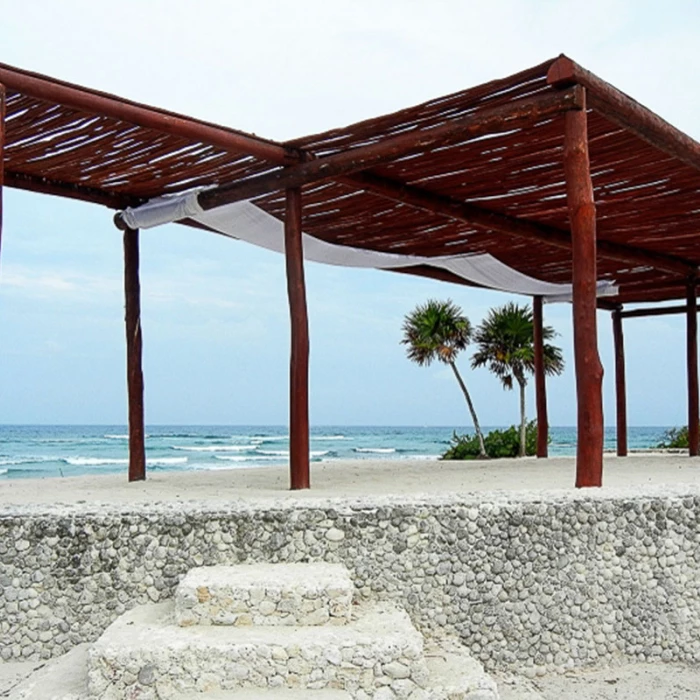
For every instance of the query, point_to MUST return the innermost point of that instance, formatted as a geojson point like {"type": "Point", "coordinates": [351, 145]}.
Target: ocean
{"type": "Point", "coordinates": [71, 450]}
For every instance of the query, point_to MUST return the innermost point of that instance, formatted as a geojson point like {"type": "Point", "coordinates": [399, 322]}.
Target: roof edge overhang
{"type": "Point", "coordinates": [42, 87]}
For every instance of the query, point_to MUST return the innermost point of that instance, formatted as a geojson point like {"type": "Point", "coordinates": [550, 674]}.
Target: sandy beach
{"type": "Point", "coordinates": [353, 479]}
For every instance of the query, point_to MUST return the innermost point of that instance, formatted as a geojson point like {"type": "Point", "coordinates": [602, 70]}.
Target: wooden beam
{"type": "Point", "coordinates": [488, 220]}
{"type": "Point", "coordinates": [2, 150]}
{"type": "Point", "coordinates": [134, 372]}
{"type": "Point", "coordinates": [299, 360]}
{"type": "Point", "coordinates": [540, 379]}
{"type": "Point", "coordinates": [589, 371]}
{"type": "Point", "coordinates": [620, 387]}
{"type": "Point", "coordinates": [485, 121]}
{"type": "Point", "coordinates": [660, 311]}
{"type": "Point", "coordinates": [73, 96]}
{"type": "Point", "coordinates": [692, 362]}
{"type": "Point", "coordinates": [44, 185]}
{"type": "Point", "coordinates": [622, 110]}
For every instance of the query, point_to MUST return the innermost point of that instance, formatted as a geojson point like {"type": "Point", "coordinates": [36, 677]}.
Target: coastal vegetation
{"type": "Point", "coordinates": [506, 346]}
{"type": "Point", "coordinates": [498, 443]}
{"type": "Point", "coordinates": [439, 330]}
{"type": "Point", "coordinates": [674, 438]}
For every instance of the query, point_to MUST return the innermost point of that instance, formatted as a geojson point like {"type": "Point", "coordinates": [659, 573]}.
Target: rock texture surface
{"type": "Point", "coordinates": [377, 655]}
{"type": "Point", "coordinates": [531, 581]}
{"type": "Point", "coordinates": [265, 594]}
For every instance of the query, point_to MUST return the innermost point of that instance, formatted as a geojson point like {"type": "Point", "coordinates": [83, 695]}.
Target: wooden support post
{"type": "Point", "coordinates": [132, 293]}
{"type": "Point", "coordinates": [692, 358]}
{"type": "Point", "coordinates": [620, 387]}
{"type": "Point", "coordinates": [299, 361]}
{"type": "Point", "coordinates": [589, 371]}
{"type": "Point", "coordinates": [2, 149]}
{"type": "Point", "coordinates": [540, 380]}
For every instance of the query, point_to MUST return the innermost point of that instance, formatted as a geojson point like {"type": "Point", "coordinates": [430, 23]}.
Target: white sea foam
{"type": "Point", "coordinates": [11, 461]}
{"type": "Point", "coordinates": [275, 453]}
{"type": "Point", "coordinates": [165, 461]}
{"type": "Point", "coordinates": [330, 437]}
{"type": "Point", "coordinates": [117, 437]}
{"type": "Point", "coordinates": [213, 448]}
{"type": "Point", "coordinates": [375, 450]}
{"type": "Point", "coordinates": [251, 458]}
{"type": "Point", "coordinates": [3, 471]}
{"type": "Point", "coordinates": [92, 461]}
{"type": "Point", "coordinates": [102, 462]}
{"type": "Point", "coordinates": [229, 465]}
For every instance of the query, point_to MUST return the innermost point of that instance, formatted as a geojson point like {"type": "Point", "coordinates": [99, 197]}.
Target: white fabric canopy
{"type": "Point", "coordinates": [247, 222]}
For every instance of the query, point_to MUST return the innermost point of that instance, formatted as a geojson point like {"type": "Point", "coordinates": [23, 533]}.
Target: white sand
{"type": "Point", "coordinates": [354, 479]}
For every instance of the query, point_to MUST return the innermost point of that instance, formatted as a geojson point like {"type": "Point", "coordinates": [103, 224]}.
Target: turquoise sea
{"type": "Point", "coordinates": [69, 450]}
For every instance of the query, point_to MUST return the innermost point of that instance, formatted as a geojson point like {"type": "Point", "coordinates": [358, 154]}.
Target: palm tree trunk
{"type": "Point", "coordinates": [475, 420]}
{"type": "Point", "coordinates": [523, 424]}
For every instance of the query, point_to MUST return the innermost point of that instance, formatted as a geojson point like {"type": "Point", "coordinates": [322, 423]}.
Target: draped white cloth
{"type": "Point", "coordinates": [247, 222]}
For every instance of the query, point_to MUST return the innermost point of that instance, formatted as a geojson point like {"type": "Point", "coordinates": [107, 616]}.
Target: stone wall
{"type": "Point", "coordinates": [549, 580]}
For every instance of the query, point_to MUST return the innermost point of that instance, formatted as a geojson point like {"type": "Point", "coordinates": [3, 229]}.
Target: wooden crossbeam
{"type": "Point", "coordinates": [661, 311]}
{"type": "Point", "coordinates": [486, 121]}
{"type": "Point", "coordinates": [626, 112]}
{"type": "Point", "coordinates": [488, 220]}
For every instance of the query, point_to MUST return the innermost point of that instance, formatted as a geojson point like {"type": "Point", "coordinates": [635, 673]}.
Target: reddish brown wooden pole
{"type": "Point", "coordinates": [134, 373]}
{"type": "Point", "coordinates": [589, 371]}
{"type": "Point", "coordinates": [692, 357]}
{"type": "Point", "coordinates": [299, 361]}
{"type": "Point", "coordinates": [2, 149]}
{"type": "Point", "coordinates": [540, 380]}
{"type": "Point", "coordinates": [620, 387]}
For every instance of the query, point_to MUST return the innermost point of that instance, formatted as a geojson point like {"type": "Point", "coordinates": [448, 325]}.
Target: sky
{"type": "Point", "coordinates": [214, 311]}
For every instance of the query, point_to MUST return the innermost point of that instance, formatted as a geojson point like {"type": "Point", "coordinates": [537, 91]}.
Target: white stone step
{"type": "Point", "coordinates": [144, 650]}
{"type": "Point", "coordinates": [268, 694]}
{"type": "Point", "coordinates": [455, 675]}
{"type": "Point", "coordinates": [265, 594]}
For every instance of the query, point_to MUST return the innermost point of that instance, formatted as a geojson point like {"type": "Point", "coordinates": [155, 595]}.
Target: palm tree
{"type": "Point", "coordinates": [506, 345]}
{"type": "Point", "coordinates": [438, 330]}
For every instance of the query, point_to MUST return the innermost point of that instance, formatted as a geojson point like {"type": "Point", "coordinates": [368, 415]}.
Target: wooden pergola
{"type": "Point", "coordinates": [553, 171]}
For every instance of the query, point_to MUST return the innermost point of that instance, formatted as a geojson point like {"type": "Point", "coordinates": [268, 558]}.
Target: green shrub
{"type": "Point", "coordinates": [674, 437]}
{"type": "Point", "coordinates": [498, 443]}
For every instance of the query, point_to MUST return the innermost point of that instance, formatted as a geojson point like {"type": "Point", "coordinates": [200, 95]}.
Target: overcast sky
{"type": "Point", "coordinates": [215, 318]}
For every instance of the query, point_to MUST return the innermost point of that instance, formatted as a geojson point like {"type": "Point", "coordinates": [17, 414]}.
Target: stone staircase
{"type": "Point", "coordinates": [277, 632]}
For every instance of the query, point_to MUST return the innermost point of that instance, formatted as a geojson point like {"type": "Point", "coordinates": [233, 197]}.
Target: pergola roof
{"type": "Point", "coordinates": [477, 171]}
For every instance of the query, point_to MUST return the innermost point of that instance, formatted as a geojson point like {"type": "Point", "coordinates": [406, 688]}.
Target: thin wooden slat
{"type": "Point", "coordinates": [589, 371]}
{"type": "Point", "coordinates": [488, 121]}
{"type": "Point", "coordinates": [94, 102]}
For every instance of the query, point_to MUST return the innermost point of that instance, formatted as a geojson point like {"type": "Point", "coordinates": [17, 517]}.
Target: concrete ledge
{"type": "Point", "coordinates": [265, 594]}
{"type": "Point", "coordinates": [145, 651]}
